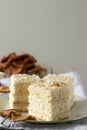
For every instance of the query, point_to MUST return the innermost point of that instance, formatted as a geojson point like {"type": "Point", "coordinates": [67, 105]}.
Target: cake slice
{"type": "Point", "coordinates": [18, 97]}
{"type": "Point", "coordinates": [52, 98]}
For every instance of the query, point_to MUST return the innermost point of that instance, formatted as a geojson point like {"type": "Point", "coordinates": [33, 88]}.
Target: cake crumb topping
{"type": "Point", "coordinates": [55, 84]}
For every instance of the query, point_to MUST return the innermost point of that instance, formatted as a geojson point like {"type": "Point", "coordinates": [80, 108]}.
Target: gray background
{"type": "Point", "coordinates": [54, 31]}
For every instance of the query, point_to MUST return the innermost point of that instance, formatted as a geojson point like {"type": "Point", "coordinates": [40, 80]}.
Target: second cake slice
{"type": "Point", "coordinates": [18, 97]}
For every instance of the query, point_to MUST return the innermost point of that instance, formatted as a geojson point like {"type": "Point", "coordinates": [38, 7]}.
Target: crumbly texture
{"type": "Point", "coordinates": [18, 97]}
{"type": "Point", "coordinates": [52, 98]}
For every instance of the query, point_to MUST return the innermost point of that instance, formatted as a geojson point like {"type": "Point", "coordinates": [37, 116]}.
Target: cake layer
{"type": "Point", "coordinates": [23, 79]}
{"type": "Point", "coordinates": [18, 102]}
{"type": "Point", "coordinates": [61, 80]}
{"type": "Point", "coordinates": [19, 107]}
{"type": "Point", "coordinates": [17, 89]}
{"type": "Point", "coordinates": [19, 79]}
{"type": "Point", "coordinates": [14, 97]}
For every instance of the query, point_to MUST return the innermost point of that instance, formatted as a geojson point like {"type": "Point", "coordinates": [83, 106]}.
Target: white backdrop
{"type": "Point", "coordinates": [54, 31]}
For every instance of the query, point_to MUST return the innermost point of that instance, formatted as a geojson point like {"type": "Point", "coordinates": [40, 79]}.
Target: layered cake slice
{"type": "Point", "coordinates": [52, 98]}
{"type": "Point", "coordinates": [18, 97]}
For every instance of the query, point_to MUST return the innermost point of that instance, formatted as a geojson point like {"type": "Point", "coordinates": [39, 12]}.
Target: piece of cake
{"type": "Point", "coordinates": [18, 97]}
{"type": "Point", "coordinates": [52, 98]}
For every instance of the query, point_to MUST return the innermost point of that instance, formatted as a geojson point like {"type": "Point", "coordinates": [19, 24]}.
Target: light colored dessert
{"type": "Point", "coordinates": [18, 97]}
{"type": "Point", "coordinates": [51, 98]}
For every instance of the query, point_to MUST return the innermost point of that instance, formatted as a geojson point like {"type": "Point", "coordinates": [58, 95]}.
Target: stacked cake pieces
{"type": "Point", "coordinates": [52, 98]}
{"type": "Point", "coordinates": [18, 97]}
{"type": "Point", "coordinates": [47, 99]}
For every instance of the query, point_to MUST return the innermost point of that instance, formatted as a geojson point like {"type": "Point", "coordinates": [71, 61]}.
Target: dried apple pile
{"type": "Point", "coordinates": [14, 115]}
{"type": "Point", "coordinates": [24, 63]}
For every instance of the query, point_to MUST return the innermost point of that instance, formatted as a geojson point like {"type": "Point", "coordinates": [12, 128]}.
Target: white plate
{"type": "Point", "coordinates": [78, 111]}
